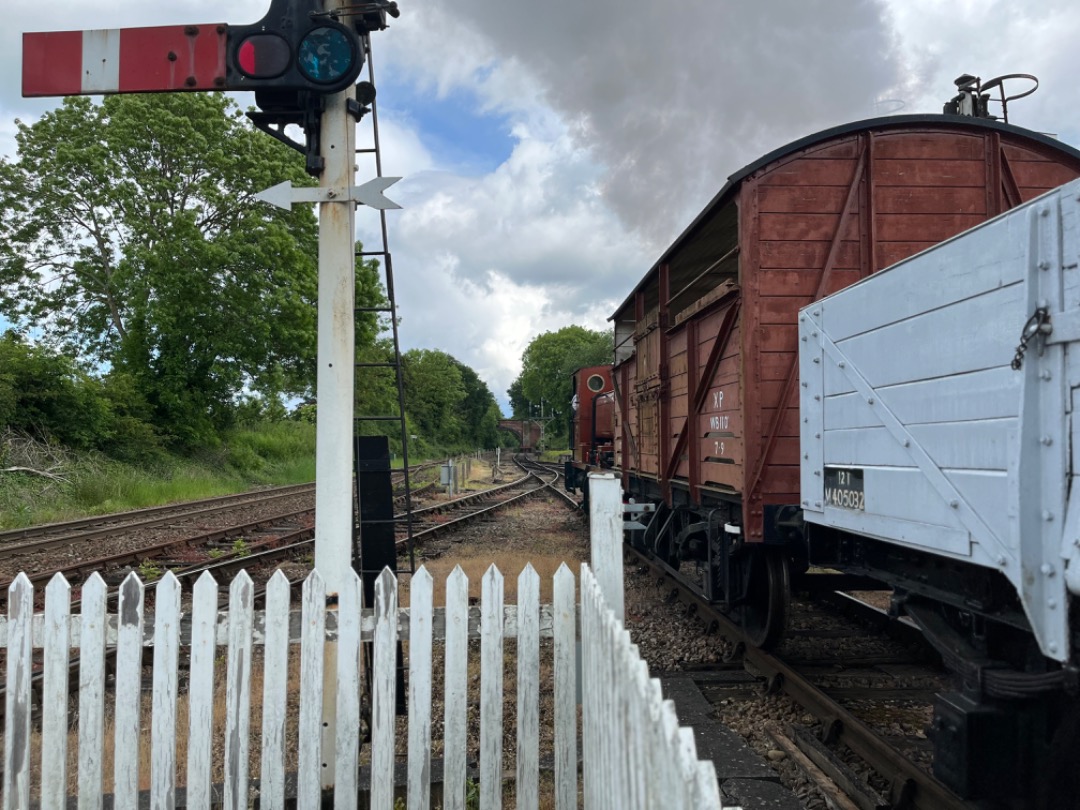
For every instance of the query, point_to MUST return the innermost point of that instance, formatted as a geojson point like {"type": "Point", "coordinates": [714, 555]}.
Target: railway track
{"type": "Point", "coordinates": [840, 691]}
{"type": "Point", "coordinates": [287, 542]}
{"type": "Point", "coordinates": [36, 549]}
{"type": "Point", "coordinates": [30, 539]}
{"type": "Point", "coordinates": [83, 530]}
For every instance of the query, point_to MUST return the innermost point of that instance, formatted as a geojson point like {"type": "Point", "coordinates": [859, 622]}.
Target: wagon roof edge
{"type": "Point", "coordinates": [736, 179]}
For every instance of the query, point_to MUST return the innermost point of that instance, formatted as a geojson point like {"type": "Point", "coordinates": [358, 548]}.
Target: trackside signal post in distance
{"type": "Point", "coordinates": [301, 60]}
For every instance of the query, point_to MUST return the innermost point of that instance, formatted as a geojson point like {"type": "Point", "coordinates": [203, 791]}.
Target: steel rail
{"type": "Point", "coordinates": [909, 785]}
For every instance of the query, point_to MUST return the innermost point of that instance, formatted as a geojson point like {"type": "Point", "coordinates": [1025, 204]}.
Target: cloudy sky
{"type": "Point", "coordinates": [551, 151]}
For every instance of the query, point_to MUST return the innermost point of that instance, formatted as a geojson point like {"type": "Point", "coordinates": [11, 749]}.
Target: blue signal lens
{"type": "Point", "coordinates": [326, 55]}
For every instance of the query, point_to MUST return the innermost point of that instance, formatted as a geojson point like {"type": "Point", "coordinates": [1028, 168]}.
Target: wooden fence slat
{"type": "Point", "coordinates": [421, 590]}
{"type": "Point", "coordinates": [588, 679]}
{"type": "Point", "coordinates": [347, 730]}
{"type": "Point", "coordinates": [607, 713]}
{"type": "Point", "coordinates": [204, 603]}
{"type": "Point", "coordinates": [656, 741]}
{"type": "Point", "coordinates": [309, 777]}
{"type": "Point", "coordinates": [17, 698]}
{"type": "Point", "coordinates": [491, 689]}
{"type": "Point", "coordinates": [669, 727]}
{"type": "Point", "coordinates": [163, 728]}
{"type": "Point", "coordinates": [707, 787]}
{"type": "Point", "coordinates": [384, 691]}
{"type": "Point", "coordinates": [565, 690]}
{"type": "Point", "coordinates": [687, 764]}
{"type": "Point", "coordinates": [238, 691]}
{"type": "Point", "coordinates": [617, 717]}
{"type": "Point", "coordinates": [629, 705]}
{"type": "Point", "coordinates": [527, 789]}
{"type": "Point", "coordinates": [275, 680]}
{"type": "Point", "coordinates": [128, 694]}
{"type": "Point", "coordinates": [456, 657]}
{"type": "Point", "coordinates": [639, 675]}
{"type": "Point", "coordinates": [91, 691]}
{"type": "Point", "coordinates": [54, 698]}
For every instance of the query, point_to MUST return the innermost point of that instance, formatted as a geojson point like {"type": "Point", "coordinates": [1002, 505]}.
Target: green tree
{"type": "Point", "coordinates": [47, 396]}
{"type": "Point", "coordinates": [476, 409]}
{"type": "Point", "coordinates": [519, 403]}
{"type": "Point", "coordinates": [434, 392]}
{"type": "Point", "coordinates": [130, 239]}
{"type": "Point", "coordinates": [546, 366]}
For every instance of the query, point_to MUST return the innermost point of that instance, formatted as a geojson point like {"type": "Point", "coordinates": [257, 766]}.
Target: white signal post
{"type": "Point", "coordinates": [335, 380]}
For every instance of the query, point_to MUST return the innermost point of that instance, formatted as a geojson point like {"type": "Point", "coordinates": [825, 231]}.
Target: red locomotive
{"type": "Point", "coordinates": [593, 416]}
{"type": "Point", "coordinates": [592, 424]}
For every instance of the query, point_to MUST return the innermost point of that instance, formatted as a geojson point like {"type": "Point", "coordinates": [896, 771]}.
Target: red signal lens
{"type": "Point", "coordinates": [263, 56]}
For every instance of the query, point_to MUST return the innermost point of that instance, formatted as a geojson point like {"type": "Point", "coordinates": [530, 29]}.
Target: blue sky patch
{"type": "Point", "coordinates": [452, 127]}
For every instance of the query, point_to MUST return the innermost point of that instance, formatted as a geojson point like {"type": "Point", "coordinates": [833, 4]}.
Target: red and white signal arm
{"type": "Point", "coordinates": [125, 60]}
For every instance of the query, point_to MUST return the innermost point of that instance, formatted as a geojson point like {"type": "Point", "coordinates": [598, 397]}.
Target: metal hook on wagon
{"type": "Point", "coordinates": [1037, 324]}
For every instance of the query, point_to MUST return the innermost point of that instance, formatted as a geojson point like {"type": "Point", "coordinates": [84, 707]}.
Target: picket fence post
{"type": "Point", "coordinates": [384, 692]}
{"type": "Point", "coordinates": [491, 689]}
{"type": "Point", "coordinates": [455, 657]}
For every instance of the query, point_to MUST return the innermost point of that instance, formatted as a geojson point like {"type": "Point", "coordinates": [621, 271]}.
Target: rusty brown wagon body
{"type": "Point", "coordinates": [706, 360]}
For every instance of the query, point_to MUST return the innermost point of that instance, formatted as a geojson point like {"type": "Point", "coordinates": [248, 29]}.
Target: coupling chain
{"type": "Point", "coordinates": [1039, 319]}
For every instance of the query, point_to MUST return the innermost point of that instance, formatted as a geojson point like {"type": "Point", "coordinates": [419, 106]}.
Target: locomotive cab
{"type": "Point", "coordinates": [592, 420]}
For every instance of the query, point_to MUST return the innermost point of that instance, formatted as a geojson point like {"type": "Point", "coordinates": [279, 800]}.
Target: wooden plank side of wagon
{"type": "Point", "coordinates": [805, 210]}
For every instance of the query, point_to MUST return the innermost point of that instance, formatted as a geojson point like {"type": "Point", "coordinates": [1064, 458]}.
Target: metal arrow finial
{"type": "Point", "coordinates": [371, 193]}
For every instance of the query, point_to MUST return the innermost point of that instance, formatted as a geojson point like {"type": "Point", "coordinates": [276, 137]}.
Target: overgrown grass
{"type": "Point", "coordinates": [257, 455]}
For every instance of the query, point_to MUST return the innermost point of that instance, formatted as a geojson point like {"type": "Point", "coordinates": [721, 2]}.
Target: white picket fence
{"type": "Point", "coordinates": [634, 754]}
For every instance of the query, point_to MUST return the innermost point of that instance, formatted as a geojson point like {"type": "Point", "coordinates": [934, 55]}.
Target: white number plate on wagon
{"type": "Point", "coordinates": [844, 488]}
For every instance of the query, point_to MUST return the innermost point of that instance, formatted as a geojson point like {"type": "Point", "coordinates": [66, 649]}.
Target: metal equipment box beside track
{"type": "Point", "coordinates": [918, 429]}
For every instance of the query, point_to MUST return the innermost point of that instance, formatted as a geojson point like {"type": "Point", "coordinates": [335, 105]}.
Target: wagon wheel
{"type": "Point", "coordinates": [763, 616]}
